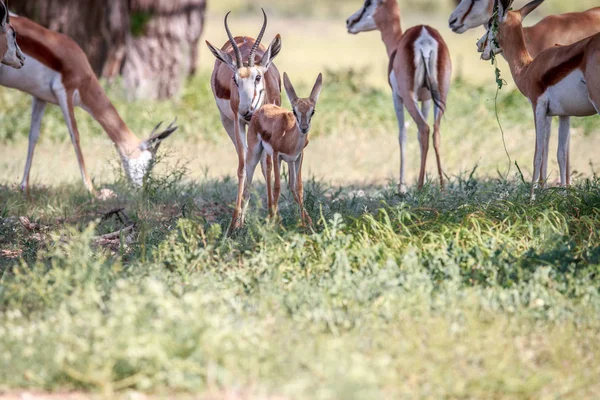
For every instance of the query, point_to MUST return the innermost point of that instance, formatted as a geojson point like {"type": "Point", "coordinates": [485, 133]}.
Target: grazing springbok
{"type": "Point", "coordinates": [419, 71]}
{"type": "Point", "coordinates": [10, 53]}
{"type": "Point", "coordinates": [283, 135]}
{"type": "Point", "coordinates": [563, 29]}
{"type": "Point", "coordinates": [561, 81]}
{"type": "Point", "coordinates": [57, 71]}
{"type": "Point", "coordinates": [243, 79]}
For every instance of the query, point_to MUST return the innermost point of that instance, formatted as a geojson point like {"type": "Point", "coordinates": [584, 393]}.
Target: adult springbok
{"type": "Point", "coordinates": [243, 79]}
{"type": "Point", "coordinates": [283, 135]}
{"type": "Point", "coordinates": [58, 72]}
{"type": "Point", "coordinates": [419, 71]}
{"type": "Point", "coordinates": [10, 53]}
{"type": "Point", "coordinates": [561, 81]}
{"type": "Point", "coordinates": [563, 29]}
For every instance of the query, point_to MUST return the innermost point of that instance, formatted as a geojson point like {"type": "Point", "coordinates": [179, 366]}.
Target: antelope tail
{"type": "Point", "coordinates": [432, 84]}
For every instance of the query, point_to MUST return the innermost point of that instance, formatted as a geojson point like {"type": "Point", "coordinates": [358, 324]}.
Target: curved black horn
{"type": "Point", "coordinates": [236, 49]}
{"type": "Point", "coordinates": [258, 40]}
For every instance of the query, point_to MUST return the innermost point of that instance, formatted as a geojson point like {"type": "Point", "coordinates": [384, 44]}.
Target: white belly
{"type": "Point", "coordinates": [34, 78]}
{"type": "Point", "coordinates": [290, 158]}
{"type": "Point", "coordinates": [570, 97]}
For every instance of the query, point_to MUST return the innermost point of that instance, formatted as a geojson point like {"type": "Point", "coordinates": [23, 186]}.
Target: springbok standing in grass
{"type": "Point", "coordinates": [10, 53]}
{"type": "Point", "coordinates": [561, 29]}
{"type": "Point", "coordinates": [283, 135]}
{"type": "Point", "coordinates": [58, 72]}
{"type": "Point", "coordinates": [419, 71]}
{"type": "Point", "coordinates": [243, 79]}
{"type": "Point", "coordinates": [561, 81]}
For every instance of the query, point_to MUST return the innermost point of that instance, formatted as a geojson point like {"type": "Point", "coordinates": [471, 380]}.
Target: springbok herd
{"type": "Point", "coordinates": [555, 64]}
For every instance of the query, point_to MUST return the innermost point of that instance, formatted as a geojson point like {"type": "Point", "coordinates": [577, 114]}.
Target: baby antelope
{"type": "Point", "coordinates": [283, 135]}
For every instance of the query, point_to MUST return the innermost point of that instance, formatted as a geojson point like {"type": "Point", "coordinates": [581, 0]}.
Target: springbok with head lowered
{"type": "Point", "coordinates": [283, 135]}
{"type": "Point", "coordinates": [10, 53]}
{"type": "Point", "coordinates": [243, 79]}
{"type": "Point", "coordinates": [419, 71]}
{"type": "Point", "coordinates": [561, 81]}
{"type": "Point", "coordinates": [563, 29]}
{"type": "Point", "coordinates": [57, 71]}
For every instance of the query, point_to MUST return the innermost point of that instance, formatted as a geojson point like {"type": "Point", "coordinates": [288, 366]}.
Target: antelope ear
{"type": "Point", "coordinates": [272, 52]}
{"type": "Point", "coordinates": [156, 138]}
{"type": "Point", "coordinates": [3, 15]}
{"type": "Point", "coordinates": [289, 89]}
{"type": "Point", "coordinates": [316, 91]}
{"type": "Point", "coordinates": [222, 56]}
{"type": "Point", "coordinates": [528, 8]}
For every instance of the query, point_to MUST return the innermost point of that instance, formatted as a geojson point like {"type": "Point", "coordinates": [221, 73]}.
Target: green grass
{"type": "Point", "coordinates": [470, 293]}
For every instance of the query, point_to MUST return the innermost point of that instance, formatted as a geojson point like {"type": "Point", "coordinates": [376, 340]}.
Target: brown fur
{"type": "Point", "coordinates": [565, 29]}
{"type": "Point", "coordinates": [401, 50]}
{"type": "Point", "coordinates": [281, 130]}
{"type": "Point", "coordinates": [534, 77]}
{"type": "Point", "coordinates": [60, 53]}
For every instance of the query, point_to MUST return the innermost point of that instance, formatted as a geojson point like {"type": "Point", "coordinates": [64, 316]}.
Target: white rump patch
{"type": "Point", "coordinates": [425, 47]}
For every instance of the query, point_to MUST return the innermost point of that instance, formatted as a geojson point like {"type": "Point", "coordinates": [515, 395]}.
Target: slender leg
{"type": "Point", "coordinates": [542, 126]}
{"type": "Point", "coordinates": [415, 113]}
{"type": "Point", "coordinates": [300, 192]}
{"type": "Point", "coordinates": [569, 161]}
{"type": "Point", "coordinates": [65, 101]}
{"type": "Point", "coordinates": [37, 113]}
{"type": "Point", "coordinates": [563, 148]}
{"type": "Point", "coordinates": [402, 139]}
{"type": "Point", "coordinates": [254, 157]}
{"type": "Point", "coordinates": [241, 173]}
{"type": "Point", "coordinates": [425, 108]}
{"type": "Point", "coordinates": [268, 178]}
{"type": "Point", "coordinates": [266, 167]}
{"type": "Point", "coordinates": [436, 143]}
{"type": "Point", "coordinates": [277, 185]}
{"type": "Point", "coordinates": [544, 174]}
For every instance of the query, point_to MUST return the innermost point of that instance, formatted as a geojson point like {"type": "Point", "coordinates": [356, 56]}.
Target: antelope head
{"type": "Point", "coordinates": [366, 18]}
{"type": "Point", "coordinates": [12, 55]}
{"type": "Point", "coordinates": [248, 78]}
{"type": "Point", "coordinates": [470, 14]}
{"type": "Point", "coordinates": [303, 109]}
{"type": "Point", "coordinates": [141, 161]}
{"type": "Point", "coordinates": [503, 22]}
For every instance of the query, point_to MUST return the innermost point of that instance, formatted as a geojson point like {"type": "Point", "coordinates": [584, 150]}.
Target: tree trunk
{"type": "Point", "coordinates": [165, 50]}
{"type": "Point", "coordinates": [153, 44]}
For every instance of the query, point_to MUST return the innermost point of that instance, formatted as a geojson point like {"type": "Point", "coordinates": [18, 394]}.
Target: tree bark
{"type": "Point", "coordinates": [153, 44]}
{"type": "Point", "coordinates": [157, 61]}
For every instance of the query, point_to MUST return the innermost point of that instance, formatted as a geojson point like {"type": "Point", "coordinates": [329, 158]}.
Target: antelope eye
{"type": "Point", "coordinates": [313, 113]}
{"type": "Point", "coordinates": [258, 78]}
{"type": "Point", "coordinates": [295, 115]}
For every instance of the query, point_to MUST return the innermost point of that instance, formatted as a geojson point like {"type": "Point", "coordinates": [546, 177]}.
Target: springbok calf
{"type": "Point", "coordinates": [561, 81]}
{"type": "Point", "coordinates": [283, 135]}
{"type": "Point", "coordinates": [10, 53]}
{"type": "Point", "coordinates": [419, 71]}
{"type": "Point", "coordinates": [243, 79]}
{"type": "Point", "coordinates": [561, 29]}
{"type": "Point", "coordinates": [58, 72]}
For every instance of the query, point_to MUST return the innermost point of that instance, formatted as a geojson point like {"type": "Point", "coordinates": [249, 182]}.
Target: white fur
{"type": "Point", "coordinates": [570, 97]}
{"type": "Point", "coordinates": [136, 168]}
{"type": "Point", "coordinates": [425, 47]}
{"type": "Point", "coordinates": [478, 15]}
{"type": "Point", "coordinates": [366, 22]}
